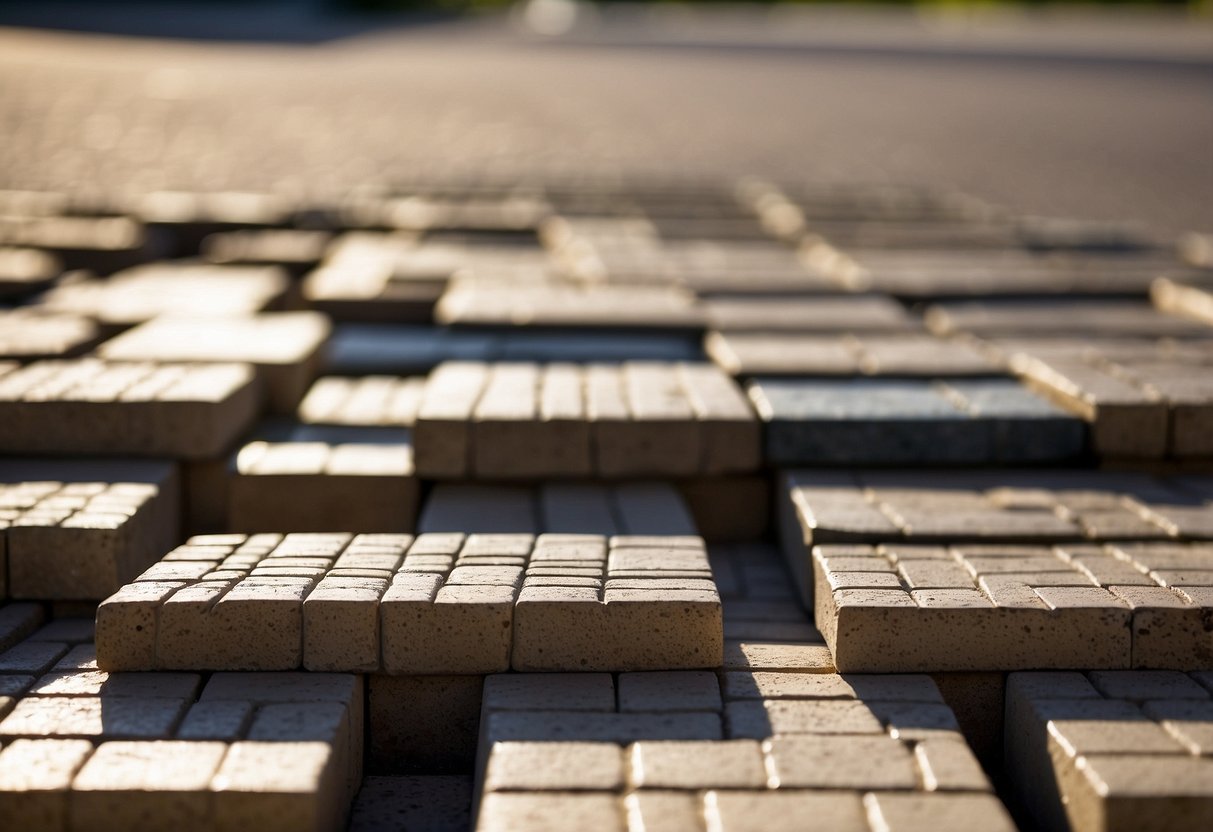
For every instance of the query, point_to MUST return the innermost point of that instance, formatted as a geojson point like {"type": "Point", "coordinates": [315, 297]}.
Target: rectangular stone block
{"type": "Point", "coordinates": [440, 604]}
{"type": "Point", "coordinates": [402, 349]}
{"type": "Point", "coordinates": [365, 401]}
{"type": "Point", "coordinates": [284, 347]}
{"type": "Point", "coordinates": [910, 355]}
{"type": "Point", "coordinates": [337, 478]}
{"type": "Point", "coordinates": [80, 530]}
{"type": "Point", "coordinates": [98, 406]}
{"type": "Point", "coordinates": [31, 334]}
{"type": "Point", "coordinates": [148, 291]}
{"type": "Point", "coordinates": [910, 422]}
{"type": "Point", "coordinates": [1007, 506]}
{"type": "Point", "coordinates": [513, 421]}
{"type": "Point", "coordinates": [481, 303]}
{"type": "Point", "coordinates": [1089, 756]}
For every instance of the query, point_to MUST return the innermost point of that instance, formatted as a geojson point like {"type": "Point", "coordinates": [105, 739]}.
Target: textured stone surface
{"type": "Point", "coordinates": [440, 603]}
{"type": "Point", "coordinates": [97, 407]}
{"type": "Point", "coordinates": [1119, 750]}
{"type": "Point", "coordinates": [146, 749]}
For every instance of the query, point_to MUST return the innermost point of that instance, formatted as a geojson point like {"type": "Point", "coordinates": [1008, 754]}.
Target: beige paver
{"type": "Point", "coordinates": [28, 334]}
{"type": "Point", "coordinates": [524, 421]}
{"type": "Point", "coordinates": [141, 293]}
{"type": "Point", "coordinates": [81, 529]}
{"type": "Point", "coordinates": [284, 347]}
{"type": "Point", "coordinates": [1011, 606]}
{"type": "Point", "coordinates": [105, 407]}
{"type": "Point", "coordinates": [439, 603]}
{"type": "Point", "coordinates": [339, 479]}
{"type": "Point", "coordinates": [476, 303]}
{"type": "Point", "coordinates": [1102, 753]}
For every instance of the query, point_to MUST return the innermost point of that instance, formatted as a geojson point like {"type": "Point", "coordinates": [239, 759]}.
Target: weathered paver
{"type": "Point", "coordinates": [79, 530]}
{"type": "Point", "coordinates": [522, 421]}
{"type": "Point", "coordinates": [742, 760]}
{"type": "Point", "coordinates": [1005, 506]}
{"type": "Point", "coordinates": [1142, 401]}
{"type": "Point", "coordinates": [28, 333]}
{"type": "Point", "coordinates": [481, 303]}
{"type": "Point", "coordinates": [281, 750]}
{"type": "Point", "coordinates": [986, 606]}
{"type": "Point", "coordinates": [439, 604]}
{"type": "Point", "coordinates": [141, 293]}
{"type": "Point", "coordinates": [316, 478]}
{"type": "Point", "coordinates": [407, 349]}
{"type": "Point", "coordinates": [911, 422]}
{"type": "Point", "coordinates": [285, 347]}
{"type": "Point", "coordinates": [105, 407]}
{"type": "Point", "coordinates": [1111, 750]}
{"type": "Point", "coordinates": [894, 355]}
{"type": "Point", "coordinates": [365, 401]}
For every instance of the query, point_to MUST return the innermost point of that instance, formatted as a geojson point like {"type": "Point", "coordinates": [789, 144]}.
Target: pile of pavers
{"type": "Point", "coordinates": [605, 504]}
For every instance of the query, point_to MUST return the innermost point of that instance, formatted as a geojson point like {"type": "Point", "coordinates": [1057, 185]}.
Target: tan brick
{"type": "Point", "coordinates": [893, 812]}
{"type": "Point", "coordinates": [550, 812]}
{"type": "Point", "coordinates": [842, 761]}
{"type": "Point", "coordinates": [35, 775]}
{"type": "Point", "coordinates": [278, 785]}
{"type": "Point", "coordinates": [745, 655]}
{"type": "Point", "coordinates": [147, 785]}
{"type": "Point", "coordinates": [90, 717]}
{"type": "Point", "coordinates": [659, 691]}
{"type": "Point", "coordinates": [661, 811]}
{"type": "Point", "coordinates": [341, 624]}
{"type": "Point", "coordinates": [759, 720]}
{"type": "Point", "coordinates": [949, 765]}
{"type": "Point", "coordinates": [463, 629]}
{"type": "Point", "coordinates": [731, 764]}
{"type": "Point", "coordinates": [565, 766]}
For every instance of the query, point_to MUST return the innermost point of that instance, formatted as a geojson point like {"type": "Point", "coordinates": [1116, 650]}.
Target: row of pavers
{"type": "Point", "coordinates": [1143, 397]}
{"type": "Point", "coordinates": [662, 250]}
{"type": "Point", "coordinates": [773, 734]}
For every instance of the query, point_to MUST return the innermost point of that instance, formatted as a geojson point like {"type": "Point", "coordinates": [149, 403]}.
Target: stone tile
{"type": "Point", "coordinates": [567, 766]}
{"type": "Point", "coordinates": [524, 421]}
{"type": "Point", "coordinates": [730, 764]}
{"type": "Point", "coordinates": [145, 785]}
{"type": "Point", "coordinates": [941, 811]}
{"type": "Point", "coordinates": [79, 530]}
{"type": "Point", "coordinates": [435, 802]}
{"type": "Point", "coordinates": [339, 477]}
{"type": "Point", "coordinates": [550, 811]}
{"type": "Point", "coordinates": [134, 407]}
{"type": "Point", "coordinates": [284, 347]}
{"type": "Point", "coordinates": [35, 779]}
{"type": "Point", "coordinates": [784, 811]}
{"type": "Point", "coordinates": [141, 293]}
{"type": "Point", "coordinates": [469, 303]}
{"type": "Point", "coordinates": [1118, 757]}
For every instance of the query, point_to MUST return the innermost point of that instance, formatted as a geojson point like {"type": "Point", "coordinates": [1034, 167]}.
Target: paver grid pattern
{"type": "Point", "coordinates": [596, 332]}
{"type": "Point", "coordinates": [433, 604]}
{"type": "Point", "coordinates": [141, 750]}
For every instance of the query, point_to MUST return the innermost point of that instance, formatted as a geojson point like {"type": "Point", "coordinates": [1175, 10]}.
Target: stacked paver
{"type": "Point", "coordinates": [618, 504]}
